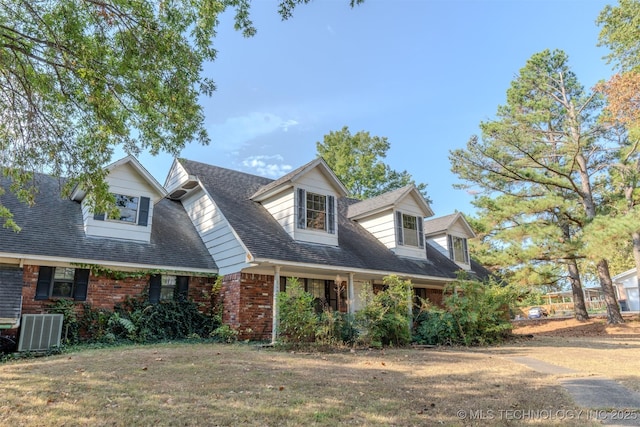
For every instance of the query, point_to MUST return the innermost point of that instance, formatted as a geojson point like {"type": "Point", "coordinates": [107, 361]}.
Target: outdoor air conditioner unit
{"type": "Point", "coordinates": [40, 332]}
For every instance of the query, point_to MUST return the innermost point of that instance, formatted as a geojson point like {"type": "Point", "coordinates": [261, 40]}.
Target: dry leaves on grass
{"type": "Point", "coordinates": [204, 384]}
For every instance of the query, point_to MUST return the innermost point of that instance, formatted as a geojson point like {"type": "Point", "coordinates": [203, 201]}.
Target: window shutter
{"type": "Point", "coordinates": [99, 216]}
{"type": "Point", "coordinates": [81, 282]}
{"type": "Point", "coordinates": [155, 283]}
{"type": "Point", "coordinates": [143, 214]}
{"type": "Point", "coordinates": [399, 239]}
{"type": "Point", "coordinates": [44, 283]}
{"type": "Point", "coordinates": [331, 214]}
{"type": "Point", "coordinates": [450, 245]}
{"type": "Point", "coordinates": [420, 233]}
{"type": "Point", "coordinates": [302, 209]}
{"type": "Point", "coordinates": [466, 251]}
{"type": "Point", "coordinates": [182, 286]}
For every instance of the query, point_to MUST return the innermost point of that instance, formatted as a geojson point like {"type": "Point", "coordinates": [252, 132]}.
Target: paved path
{"type": "Point", "coordinates": [614, 404]}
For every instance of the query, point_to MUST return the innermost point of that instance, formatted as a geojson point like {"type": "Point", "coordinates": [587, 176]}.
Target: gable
{"type": "Point", "coordinates": [136, 196]}
{"type": "Point", "coordinates": [304, 203]}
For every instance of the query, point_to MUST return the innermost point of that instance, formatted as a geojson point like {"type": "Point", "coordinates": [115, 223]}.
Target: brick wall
{"type": "Point", "coordinates": [105, 293]}
{"type": "Point", "coordinates": [248, 304]}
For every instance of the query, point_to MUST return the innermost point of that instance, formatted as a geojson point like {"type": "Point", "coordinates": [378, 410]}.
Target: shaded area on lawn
{"type": "Point", "coordinates": [198, 384]}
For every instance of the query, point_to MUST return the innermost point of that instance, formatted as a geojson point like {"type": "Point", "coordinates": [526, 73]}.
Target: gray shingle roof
{"type": "Point", "coordinates": [54, 227]}
{"type": "Point", "coordinates": [382, 201]}
{"type": "Point", "coordinates": [265, 238]}
{"type": "Point", "coordinates": [439, 224]}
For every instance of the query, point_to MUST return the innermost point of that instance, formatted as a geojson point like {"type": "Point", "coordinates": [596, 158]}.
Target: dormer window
{"type": "Point", "coordinates": [316, 211]}
{"type": "Point", "coordinates": [128, 207]}
{"type": "Point", "coordinates": [131, 209]}
{"type": "Point", "coordinates": [458, 250]}
{"type": "Point", "coordinates": [409, 231]}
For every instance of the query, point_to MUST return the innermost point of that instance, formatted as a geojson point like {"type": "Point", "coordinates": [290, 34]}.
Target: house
{"type": "Point", "coordinates": [65, 251]}
{"type": "Point", "coordinates": [627, 290]}
{"type": "Point", "coordinates": [258, 234]}
{"type": "Point", "coordinates": [262, 233]}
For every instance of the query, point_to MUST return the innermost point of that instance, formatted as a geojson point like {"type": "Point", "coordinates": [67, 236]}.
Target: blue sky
{"type": "Point", "coordinates": [422, 73]}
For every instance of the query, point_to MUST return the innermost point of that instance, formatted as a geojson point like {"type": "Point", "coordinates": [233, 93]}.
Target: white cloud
{"type": "Point", "coordinates": [236, 132]}
{"type": "Point", "coordinates": [269, 166]}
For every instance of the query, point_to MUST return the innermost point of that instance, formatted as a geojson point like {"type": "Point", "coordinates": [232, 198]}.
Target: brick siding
{"type": "Point", "coordinates": [248, 304]}
{"type": "Point", "coordinates": [105, 293]}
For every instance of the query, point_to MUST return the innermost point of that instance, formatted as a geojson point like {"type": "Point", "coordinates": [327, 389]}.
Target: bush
{"type": "Point", "coordinates": [297, 317]}
{"type": "Point", "coordinates": [166, 320]}
{"type": "Point", "coordinates": [225, 333]}
{"type": "Point", "coordinates": [70, 322]}
{"type": "Point", "coordinates": [385, 318]}
{"type": "Point", "coordinates": [473, 314]}
{"type": "Point", "coordinates": [336, 328]}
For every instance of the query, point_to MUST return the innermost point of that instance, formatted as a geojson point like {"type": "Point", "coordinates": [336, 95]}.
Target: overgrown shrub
{"type": "Point", "coordinates": [297, 317]}
{"type": "Point", "coordinates": [385, 318]}
{"type": "Point", "coordinates": [225, 333]}
{"type": "Point", "coordinates": [166, 320]}
{"type": "Point", "coordinates": [336, 328]}
{"type": "Point", "coordinates": [473, 314]}
{"type": "Point", "coordinates": [70, 323]}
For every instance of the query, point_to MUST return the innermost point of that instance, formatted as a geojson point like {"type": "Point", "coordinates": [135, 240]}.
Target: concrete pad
{"type": "Point", "coordinates": [609, 402]}
{"type": "Point", "coordinates": [542, 367]}
{"type": "Point", "coordinates": [594, 392]}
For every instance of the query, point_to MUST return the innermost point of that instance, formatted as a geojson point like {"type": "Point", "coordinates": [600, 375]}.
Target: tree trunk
{"type": "Point", "coordinates": [579, 306]}
{"type": "Point", "coordinates": [636, 256]}
{"type": "Point", "coordinates": [613, 310]}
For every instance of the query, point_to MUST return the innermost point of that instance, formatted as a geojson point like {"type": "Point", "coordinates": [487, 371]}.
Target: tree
{"type": "Point", "coordinates": [357, 161]}
{"type": "Point", "coordinates": [531, 242]}
{"type": "Point", "coordinates": [621, 34]}
{"type": "Point", "coordinates": [78, 78]}
{"type": "Point", "coordinates": [545, 141]}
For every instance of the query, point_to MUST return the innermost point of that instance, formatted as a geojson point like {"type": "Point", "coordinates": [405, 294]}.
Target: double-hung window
{"type": "Point", "coordinates": [458, 250]}
{"type": "Point", "coordinates": [409, 230]}
{"type": "Point", "coordinates": [62, 282]}
{"type": "Point", "coordinates": [316, 211]}
{"type": "Point", "coordinates": [167, 287]}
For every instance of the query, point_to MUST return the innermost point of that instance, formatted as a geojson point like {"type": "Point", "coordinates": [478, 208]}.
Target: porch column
{"type": "Point", "coordinates": [350, 294]}
{"type": "Point", "coordinates": [276, 290]}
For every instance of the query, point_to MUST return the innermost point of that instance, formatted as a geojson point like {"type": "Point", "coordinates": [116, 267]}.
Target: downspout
{"type": "Point", "coordinates": [276, 315]}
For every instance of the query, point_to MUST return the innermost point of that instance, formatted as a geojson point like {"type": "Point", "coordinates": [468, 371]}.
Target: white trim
{"type": "Point", "coordinates": [53, 261]}
{"type": "Point", "coordinates": [267, 263]}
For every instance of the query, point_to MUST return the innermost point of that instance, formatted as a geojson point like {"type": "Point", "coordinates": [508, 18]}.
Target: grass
{"type": "Point", "coordinates": [214, 384]}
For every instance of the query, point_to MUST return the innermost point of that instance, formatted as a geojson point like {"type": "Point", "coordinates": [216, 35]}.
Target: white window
{"type": "Point", "coordinates": [409, 231]}
{"type": "Point", "coordinates": [131, 209]}
{"type": "Point", "coordinates": [128, 207]}
{"type": "Point", "coordinates": [458, 250]}
{"type": "Point", "coordinates": [316, 211]}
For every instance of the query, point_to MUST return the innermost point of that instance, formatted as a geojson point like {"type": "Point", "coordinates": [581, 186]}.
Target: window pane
{"type": "Point", "coordinates": [128, 207]}
{"type": "Point", "coordinates": [316, 288]}
{"type": "Point", "coordinates": [410, 230]}
{"type": "Point", "coordinates": [316, 211]}
{"type": "Point", "coordinates": [62, 273]}
{"type": "Point", "coordinates": [62, 289]}
{"type": "Point", "coordinates": [167, 287]}
{"type": "Point", "coordinates": [459, 249]}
